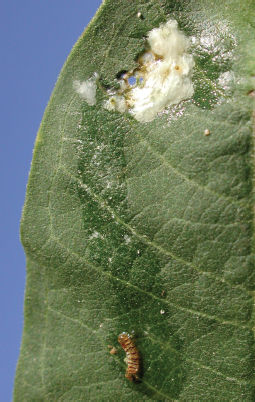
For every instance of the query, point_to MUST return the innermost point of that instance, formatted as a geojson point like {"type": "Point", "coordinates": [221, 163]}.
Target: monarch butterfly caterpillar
{"type": "Point", "coordinates": [132, 356]}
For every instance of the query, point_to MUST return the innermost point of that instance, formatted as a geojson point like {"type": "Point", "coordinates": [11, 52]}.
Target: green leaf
{"type": "Point", "coordinates": [144, 227]}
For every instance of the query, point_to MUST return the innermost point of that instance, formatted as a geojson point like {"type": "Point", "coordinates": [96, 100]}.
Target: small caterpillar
{"type": "Point", "coordinates": [132, 356]}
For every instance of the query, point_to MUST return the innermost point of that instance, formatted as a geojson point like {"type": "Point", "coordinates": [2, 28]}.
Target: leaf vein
{"type": "Point", "coordinates": [144, 238]}
{"type": "Point", "coordinates": [138, 289]}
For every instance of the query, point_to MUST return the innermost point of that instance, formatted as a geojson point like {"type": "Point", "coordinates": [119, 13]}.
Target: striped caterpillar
{"type": "Point", "coordinates": [132, 356]}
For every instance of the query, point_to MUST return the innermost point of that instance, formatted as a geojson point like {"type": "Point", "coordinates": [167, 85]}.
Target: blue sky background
{"type": "Point", "coordinates": [36, 37]}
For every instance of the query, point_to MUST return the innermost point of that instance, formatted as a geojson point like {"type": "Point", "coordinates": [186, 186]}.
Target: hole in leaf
{"type": "Point", "coordinates": [132, 80]}
{"type": "Point", "coordinates": [120, 74]}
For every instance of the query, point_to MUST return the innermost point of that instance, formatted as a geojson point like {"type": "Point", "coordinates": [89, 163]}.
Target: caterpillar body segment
{"type": "Point", "coordinates": [132, 356]}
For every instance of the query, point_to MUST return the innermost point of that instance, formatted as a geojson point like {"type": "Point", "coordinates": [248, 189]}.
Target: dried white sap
{"type": "Point", "coordinates": [87, 89]}
{"type": "Point", "coordinates": [163, 77]}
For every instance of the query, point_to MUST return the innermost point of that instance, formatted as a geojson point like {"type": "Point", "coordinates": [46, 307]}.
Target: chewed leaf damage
{"type": "Point", "coordinates": [162, 78]}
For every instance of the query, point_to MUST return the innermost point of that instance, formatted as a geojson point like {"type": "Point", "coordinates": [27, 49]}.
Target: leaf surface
{"type": "Point", "coordinates": [144, 227]}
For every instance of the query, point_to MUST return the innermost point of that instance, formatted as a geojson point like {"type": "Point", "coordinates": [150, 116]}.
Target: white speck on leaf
{"type": "Point", "coordinates": [127, 239]}
{"type": "Point", "coordinates": [95, 235]}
